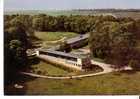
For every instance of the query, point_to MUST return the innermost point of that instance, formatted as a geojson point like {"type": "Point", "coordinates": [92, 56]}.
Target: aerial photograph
{"type": "Point", "coordinates": [71, 47]}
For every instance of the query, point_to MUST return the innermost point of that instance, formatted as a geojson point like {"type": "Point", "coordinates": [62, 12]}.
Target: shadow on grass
{"type": "Point", "coordinates": [33, 61]}
{"type": "Point", "coordinates": [128, 71]}
{"type": "Point", "coordinates": [10, 89]}
{"type": "Point", "coordinates": [34, 38]}
{"type": "Point", "coordinates": [18, 79]}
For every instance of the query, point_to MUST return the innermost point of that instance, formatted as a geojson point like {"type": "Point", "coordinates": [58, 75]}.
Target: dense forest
{"type": "Point", "coordinates": [116, 40]}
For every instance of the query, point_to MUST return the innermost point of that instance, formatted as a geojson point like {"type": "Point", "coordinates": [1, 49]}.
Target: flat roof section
{"type": "Point", "coordinates": [63, 53]}
{"type": "Point", "coordinates": [78, 38]}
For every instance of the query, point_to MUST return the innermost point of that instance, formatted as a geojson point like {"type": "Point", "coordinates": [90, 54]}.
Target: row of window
{"type": "Point", "coordinates": [75, 64]}
{"type": "Point", "coordinates": [60, 56]}
{"type": "Point", "coordinates": [69, 60]}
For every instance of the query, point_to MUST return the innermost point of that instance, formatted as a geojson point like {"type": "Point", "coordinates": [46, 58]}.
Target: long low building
{"type": "Point", "coordinates": [78, 38]}
{"type": "Point", "coordinates": [74, 42]}
{"type": "Point", "coordinates": [80, 61]}
{"type": "Point", "coordinates": [54, 55]}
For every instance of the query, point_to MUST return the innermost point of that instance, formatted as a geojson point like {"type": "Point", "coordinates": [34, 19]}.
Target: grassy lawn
{"type": "Point", "coordinates": [52, 36]}
{"type": "Point", "coordinates": [108, 84]}
{"type": "Point", "coordinates": [44, 68]}
{"type": "Point", "coordinates": [47, 37]}
{"type": "Point", "coordinates": [98, 59]}
{"type": "Point", "coordinates": [48, 69]}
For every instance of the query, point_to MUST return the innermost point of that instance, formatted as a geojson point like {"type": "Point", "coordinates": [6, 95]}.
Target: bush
{"type": "Point", "coordinates": [39, 72]}
{"type": "Point", "coordinates": [135, 64]}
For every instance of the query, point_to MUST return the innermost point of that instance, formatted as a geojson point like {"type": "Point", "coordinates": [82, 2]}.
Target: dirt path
{"type": "Point", "coordinates": [106, 67]}
{"type": "Point", "coordinates": [60, 40]}
{"type": "Point", "coordinates": [65, 77]}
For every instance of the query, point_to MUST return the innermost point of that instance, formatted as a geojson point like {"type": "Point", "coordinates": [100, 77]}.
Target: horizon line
{"type": "Point", "coordinates": [71, 9]}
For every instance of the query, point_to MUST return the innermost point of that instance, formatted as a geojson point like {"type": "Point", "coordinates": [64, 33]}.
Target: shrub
{"type": "Point", "coordinates": [135, 64]}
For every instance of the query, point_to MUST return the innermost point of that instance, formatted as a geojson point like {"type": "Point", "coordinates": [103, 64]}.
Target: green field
{"type": "Point", "coordinates": [48, 69]}
{"type": "Point", "coordinates": [48, 39]}
{"type": "Point", "coordinates": [45, 68]}
{"type": "Point", "coordinates": [53, 36]}
{"type": "Point", "coordinates": [108, 84]}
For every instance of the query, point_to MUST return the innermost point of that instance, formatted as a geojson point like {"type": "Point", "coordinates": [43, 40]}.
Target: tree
{"type": "Point", "coordinates": [114, 44]}
{"type": "Point", "coordinates": [15, 45]}
{"type": "Point", "coordinates": [38, 23]}
{"type": "Point", "coordinates": [19, 53]}
{"type": "Point", "coordinates": [15, 59]}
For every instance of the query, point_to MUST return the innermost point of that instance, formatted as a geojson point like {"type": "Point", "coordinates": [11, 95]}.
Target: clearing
{"type": "Point", "coordinates": [48, 39]}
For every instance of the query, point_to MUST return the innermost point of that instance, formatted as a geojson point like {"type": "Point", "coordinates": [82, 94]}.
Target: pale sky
{"type": "Point", "coordinates": [69, 4]}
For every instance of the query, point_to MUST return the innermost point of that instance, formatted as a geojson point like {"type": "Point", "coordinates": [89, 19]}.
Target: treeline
{"type": "Point", "coordinates": [109, 10]}
{"type": "Point", "coordinates": [42, 22]}
{"type": "Point", "coordinates": [117, 42]}
{"type": "Point", "coordinates": [73, 23]}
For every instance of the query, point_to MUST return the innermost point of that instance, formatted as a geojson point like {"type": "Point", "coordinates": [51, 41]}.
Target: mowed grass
{"type": "Point", "coordinates": [48, 69]}
{"type": "Point", "coordinates": [52, 36]}
{"type": "Point", "coordinates": [48, 38]}
{"type": "Point", "coordinates": [45, 68]}
{"type": "Point", "coordinates": [117, 83]}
